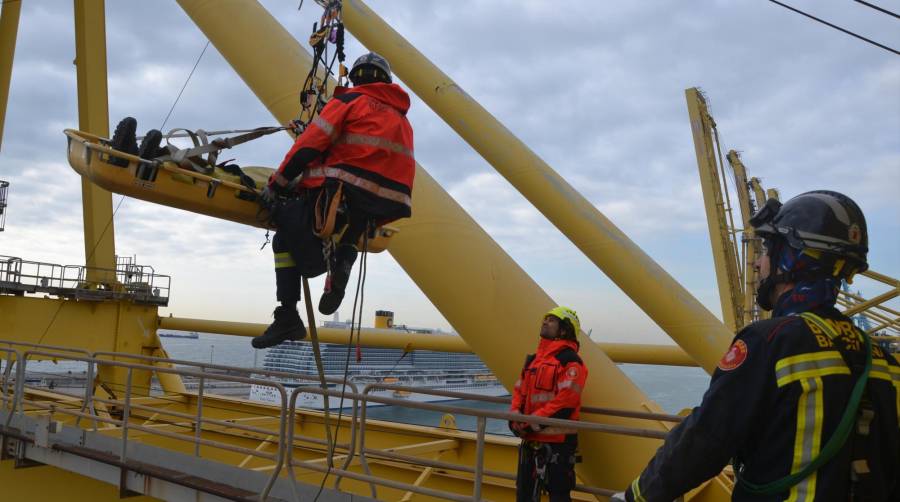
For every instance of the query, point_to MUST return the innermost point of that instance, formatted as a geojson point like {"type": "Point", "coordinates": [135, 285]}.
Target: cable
{"type": "Point", "coordinates": [360, 285]}
{"type": "Point", "coordinates": [183, 87]}
{"type": "Point", "coordinates": [867, 4]}
{"type": "Point", "coordinates": [87, 260]}
{"type": "Point", "coordinates": [826, 23]}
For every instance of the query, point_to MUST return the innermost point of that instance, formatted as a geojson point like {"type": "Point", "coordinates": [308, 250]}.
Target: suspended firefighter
{"type": "Point", "coordinates": [803, 402]}
{"type": "Point", "coordinates": [550, 386]}
{"type": "Point", "coordinates": [351, 169]}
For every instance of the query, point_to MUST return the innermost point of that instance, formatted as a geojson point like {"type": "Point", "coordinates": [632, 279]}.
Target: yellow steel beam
{"type": "Point", "coordinates": [725, 262]}
{"type": "Point", "coordinates": [859, 298]}
{"type": "Point", "coordinates": [446, 253]}
{"type": "Point", "coordinates": [9, 27]}
{"type": "Point", "coordinates": [671, 306]}
{"type": "Point", "coordinates": [752, 246]}
{"type": "Point", "coordinates": [669, 355]}
{"type": "Point", "coordinates": [872, 302]}
{"type": "Point", "coordinates": [93, 117]}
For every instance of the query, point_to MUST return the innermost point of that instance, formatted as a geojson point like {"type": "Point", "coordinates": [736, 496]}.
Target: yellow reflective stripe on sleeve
{"type": "Point", "coordinates": [284, 260]}
{"type": "Point", "coordinates": [810, 365]}
{"type": "Point", "coordinates": [883, 370]}
{"type": "Point", "coordinates": [808, 438]}
{"type": "Point", "coordinates": [636, 490]}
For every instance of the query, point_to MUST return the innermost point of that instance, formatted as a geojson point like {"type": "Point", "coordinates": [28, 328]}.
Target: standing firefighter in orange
{"type": "Point", "coordinates": [550, 386]}
{"type": "Point", "coordinates": [356, 157]}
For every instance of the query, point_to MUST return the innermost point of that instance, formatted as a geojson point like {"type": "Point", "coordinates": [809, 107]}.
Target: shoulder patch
{"type": "Point", "coordinates": [567, 356]}
{"type": "Point", "coordinates": [735, 356]}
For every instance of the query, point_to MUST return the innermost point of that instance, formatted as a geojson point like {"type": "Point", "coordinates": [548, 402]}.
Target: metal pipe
{"type": "Point", "coordinates": [479, 457]}
{"type": "Point", "coordinates": [671, 306]}
{"type": "Point", "coordinates": [630, 353]}
{"type": "Point", "coordinates": [872, 302]}
{"type": "Point", "coordinates": [9, 27]}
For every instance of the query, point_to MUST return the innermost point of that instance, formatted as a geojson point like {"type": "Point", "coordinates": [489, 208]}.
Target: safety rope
{"type": "Point", "coordinates": [355, 323]}
{"type": "Point", "coordinates": [837, 439]}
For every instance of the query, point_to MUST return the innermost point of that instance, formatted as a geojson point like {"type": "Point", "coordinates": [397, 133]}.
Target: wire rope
{"type": "Point", "coordinates": [826, 23]}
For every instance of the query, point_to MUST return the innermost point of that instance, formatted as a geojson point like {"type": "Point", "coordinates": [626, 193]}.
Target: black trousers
{"type": "Point", "coordinates": [558, 460]}
{"type": "Point", "coordinates": [298, 251]}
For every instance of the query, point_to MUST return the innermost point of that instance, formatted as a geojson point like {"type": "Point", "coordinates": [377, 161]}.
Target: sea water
{"type": "Point", "coordinates": [673, 388]}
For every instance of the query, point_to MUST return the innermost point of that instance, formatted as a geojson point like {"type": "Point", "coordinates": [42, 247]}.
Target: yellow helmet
{"type": "Point", "coordinates": [566, 314]}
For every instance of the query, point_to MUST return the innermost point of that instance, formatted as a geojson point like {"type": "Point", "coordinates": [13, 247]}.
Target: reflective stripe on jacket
{"type": "Point", "coordinates": [361, 137]}
{"type": "Point", "coordinates": [550, 385]}
{"type": "Point", "coordinates": [773, 403]}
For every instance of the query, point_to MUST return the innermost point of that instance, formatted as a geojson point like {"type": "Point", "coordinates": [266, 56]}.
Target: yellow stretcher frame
{"type": "Point", "coordinates": [168, 184]}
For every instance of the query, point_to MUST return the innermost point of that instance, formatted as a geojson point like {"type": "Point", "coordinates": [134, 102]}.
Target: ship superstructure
{"type": "Point", "coordinates": [420, 369]}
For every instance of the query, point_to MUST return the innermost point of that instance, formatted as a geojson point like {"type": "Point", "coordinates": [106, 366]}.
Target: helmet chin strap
{"type": "Point", "coordinates": [766, 289]}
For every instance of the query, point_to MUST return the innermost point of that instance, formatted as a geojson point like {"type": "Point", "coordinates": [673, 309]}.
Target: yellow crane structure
{"type": "Point", "coordinates": [115, 334]}
{"type": "Point", "coordinates": [735, 248]}
{"type": "Point", "coordinates": [145, 425]}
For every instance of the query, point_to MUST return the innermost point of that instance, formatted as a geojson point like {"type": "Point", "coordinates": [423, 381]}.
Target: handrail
{"type": "Point", "coordinates": [131, 281]}
{"type": "Point", "coordinates": [128, 405]}
{"type": "Point", "coordinates": [4, 382]}
{"type": "Point", "coordinates": [481, 416]}
{"type": "Point", "coordinates": [284, 457]}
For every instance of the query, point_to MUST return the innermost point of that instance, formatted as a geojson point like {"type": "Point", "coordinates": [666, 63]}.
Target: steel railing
{"type": "Point", "coordinates": [132, 400]}
{"type": "Point", "coordinates": [135, 282]}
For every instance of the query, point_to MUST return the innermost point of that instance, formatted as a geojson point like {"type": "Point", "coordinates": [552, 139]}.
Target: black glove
{"type": "Point", "coordinates": [516, 428]}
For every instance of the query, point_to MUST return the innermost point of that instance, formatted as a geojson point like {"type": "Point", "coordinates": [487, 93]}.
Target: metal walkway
{"type": "Point", "coordinates": [200, 446]}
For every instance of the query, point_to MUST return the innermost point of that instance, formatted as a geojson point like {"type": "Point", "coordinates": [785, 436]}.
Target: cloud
{"type": "Point", "coordinates": [595, 89]}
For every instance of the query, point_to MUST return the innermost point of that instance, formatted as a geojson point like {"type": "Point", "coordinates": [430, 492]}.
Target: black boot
{"type": "Point", "coordinates": [149, 148]}
{"type": "Point", "coordinates": [287, 326]}
{"type": "Point", "coordinates": [336, 282]}
{"type": "Point", "coordinates": [124, 140]}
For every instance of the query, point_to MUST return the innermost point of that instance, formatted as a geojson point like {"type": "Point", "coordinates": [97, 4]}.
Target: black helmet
{"type": "Point", "coordinates": [826, 229]}
{"type": "Point", "coordinates": [821, 220]}
{"type": "Point", "coordinates": [370, 68]}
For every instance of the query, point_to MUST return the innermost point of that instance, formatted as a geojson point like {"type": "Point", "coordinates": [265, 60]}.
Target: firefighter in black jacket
{"type": "Point", "coordinates": [803, 403]}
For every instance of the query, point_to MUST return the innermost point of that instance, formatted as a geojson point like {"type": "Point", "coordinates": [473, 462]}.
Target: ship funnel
{"type": "Point", "coordinates": [384, 319]}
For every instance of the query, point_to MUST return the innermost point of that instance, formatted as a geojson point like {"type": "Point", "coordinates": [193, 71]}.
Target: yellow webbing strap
{"type": "Point", "coordinates": [314, 337]}
{"type": "Point", "coordinates": [326, 212]}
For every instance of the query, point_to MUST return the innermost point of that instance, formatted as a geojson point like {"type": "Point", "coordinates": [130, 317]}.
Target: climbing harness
{"type": "Point", "coordinates": [837, 439]}
{"type": "Point", "coordinates": [542, 458]}
{"type": "Point", "coordinates": [326, 208]}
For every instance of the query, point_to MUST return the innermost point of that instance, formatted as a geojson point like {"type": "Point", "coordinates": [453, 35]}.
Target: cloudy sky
{"type": "Point", "coordinates": [595, 88]}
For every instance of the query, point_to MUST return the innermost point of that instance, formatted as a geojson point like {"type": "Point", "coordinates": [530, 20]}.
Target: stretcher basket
{"type": "Point", "coordinates": [218, 194]}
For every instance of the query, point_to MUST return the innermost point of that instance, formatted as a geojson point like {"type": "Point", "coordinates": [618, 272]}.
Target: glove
{"type": "Point", "coordinates": [617, 497]}
{"type": "Point", "coordinates": [518, 428]}
{"type": "Point", "coordinates": [269, 195]}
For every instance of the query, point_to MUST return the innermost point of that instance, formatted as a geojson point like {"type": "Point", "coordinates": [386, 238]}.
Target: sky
{"type": "Point", "coordinates": [596, 89]}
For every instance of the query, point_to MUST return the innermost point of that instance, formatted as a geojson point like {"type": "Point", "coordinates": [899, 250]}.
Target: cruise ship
{"type": "Point", "coordinates": [425, 369]}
